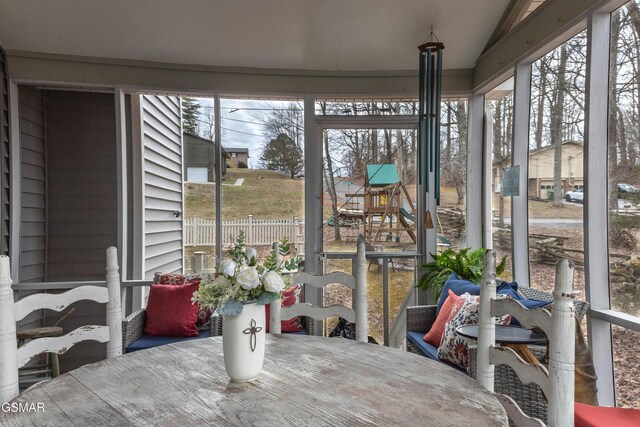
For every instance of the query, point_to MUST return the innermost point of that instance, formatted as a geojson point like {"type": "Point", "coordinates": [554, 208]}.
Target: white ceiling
{"type": "Point", "coordinates": [286, 34]}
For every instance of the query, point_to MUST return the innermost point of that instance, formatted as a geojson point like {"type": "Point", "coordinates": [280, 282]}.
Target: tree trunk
{"type": "Point", "coordinates": [557, 111]}
{"type": "Point", "coordinates": [540, 104]}
{"type": "Point", "coordinates": [461, 155]}
{"type": "Point", "coordinates": [331, 186]}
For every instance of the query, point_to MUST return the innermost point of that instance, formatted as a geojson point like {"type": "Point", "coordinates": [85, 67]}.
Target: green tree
{"type": "Point", "coordinates": [190, 113]}
{"type": "Point", "coordinates": [283, 154]}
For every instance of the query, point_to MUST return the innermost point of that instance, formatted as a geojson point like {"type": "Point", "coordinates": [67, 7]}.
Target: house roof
{"type": "Point", "coordinates": [324, 35]}
{"type": "Point", "coordinates": [199, 138]}
{"type": "Point", "coordinates": [237, 150]}
{"type": "Point", "coordinates": [538, 151]}
{"type": "Point", "coordinates": [381, 175]}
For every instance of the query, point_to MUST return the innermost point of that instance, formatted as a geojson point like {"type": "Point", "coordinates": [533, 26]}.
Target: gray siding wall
{"type": "Point", "coordinates": [33, 185]}
{"type": "Point", "coordinates": [82, 184]}
{"type": "Point", "coordinates": [162, 177]}
{"type": "Point", "coordinates": [82, 203]}
{"type": "Point", "coordinates": [4, 157]}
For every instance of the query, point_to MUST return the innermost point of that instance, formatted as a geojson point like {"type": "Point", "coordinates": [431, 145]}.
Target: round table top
{"type": "Point", "coordinates": [506, 334]}
{"type": "Point", "coordinates": [306, 381]}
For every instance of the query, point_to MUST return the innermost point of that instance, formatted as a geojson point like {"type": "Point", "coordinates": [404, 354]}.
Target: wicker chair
{"type": "Point", "coordinates": [133, 327]}
{"type": "Point", "coordinates": [529, 397]}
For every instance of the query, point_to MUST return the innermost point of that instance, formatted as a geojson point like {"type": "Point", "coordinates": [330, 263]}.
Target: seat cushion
{"type": "Point", "coordinates": [601, 416]}
{"type": "Point", "coordinates": [170, 312]}
{"type": "Point", "coordinates": [149, 341]}
{"type": "Point", "coordinates": [427, 349]}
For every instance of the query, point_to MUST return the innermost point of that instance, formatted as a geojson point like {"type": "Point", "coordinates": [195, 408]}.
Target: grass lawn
{"type": "Point", "coordinates": [263, 194]}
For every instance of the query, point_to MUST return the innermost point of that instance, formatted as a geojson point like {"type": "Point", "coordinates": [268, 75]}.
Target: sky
{"type": "Point", "coordinates": [241, 126]}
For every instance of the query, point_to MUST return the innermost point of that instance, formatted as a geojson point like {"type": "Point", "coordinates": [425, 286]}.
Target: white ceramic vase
{"type": "Point", "coordinates": [243, 343]}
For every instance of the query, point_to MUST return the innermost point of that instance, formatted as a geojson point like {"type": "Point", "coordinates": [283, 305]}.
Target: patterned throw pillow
{"type": "Point", "coordinates": [453, 347]}
{"type": "Point", "coordinates": [168, 279]}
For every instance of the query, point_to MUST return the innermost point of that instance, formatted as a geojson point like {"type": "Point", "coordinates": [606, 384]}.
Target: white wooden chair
{"type": "Point", "coordinates": [357, 314]}
{"type": "Point", "coordinates": [12, 357]}
{"type": "Point", "coordinates": [556, 382]}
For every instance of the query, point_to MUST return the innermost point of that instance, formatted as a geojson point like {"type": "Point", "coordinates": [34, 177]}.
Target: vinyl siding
{"type": "Point", "coordinates": [82, 203]}
{"type": "Point", "coordinates": [82, 184]}
{"type": "Point", "coordinates": [4, 157]}
{"type": "Point", "coordinates": [162, 169]}
{"type": "Point", "coordinates": [33, 185]}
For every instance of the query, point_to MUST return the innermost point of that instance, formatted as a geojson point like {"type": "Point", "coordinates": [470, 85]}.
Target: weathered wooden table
{"type": "Point", "coordinates": [306, 381]}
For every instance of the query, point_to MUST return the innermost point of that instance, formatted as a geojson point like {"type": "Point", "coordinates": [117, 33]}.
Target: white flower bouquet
{"type": "Point", "coordinates": [240, 279]}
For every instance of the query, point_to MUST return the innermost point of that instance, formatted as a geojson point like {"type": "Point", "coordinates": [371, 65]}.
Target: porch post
{"type": "Point", "coordinates": [312, 201]}
{"type": "Point", "coordinates": [520, 204]}
{"type": "Point", "coordinates": [596, 234]}
{"type": "Point", "coordinates": [474, 172]}
{"type": "Point", "coordinates": [218, 161]}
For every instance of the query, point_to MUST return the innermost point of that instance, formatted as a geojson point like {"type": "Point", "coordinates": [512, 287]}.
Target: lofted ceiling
{"type": "Point", "coordinates": [332, 35]}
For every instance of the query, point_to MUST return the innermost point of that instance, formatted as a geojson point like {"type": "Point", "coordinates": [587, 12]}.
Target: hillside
{"type": "Point", "coordinates": [264, 194]}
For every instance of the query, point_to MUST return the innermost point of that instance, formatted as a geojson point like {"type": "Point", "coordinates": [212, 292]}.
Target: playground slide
{"type": "Point", "coordinates": [407, 215]}
{"type": "Point", "coordinates": [442, 241]}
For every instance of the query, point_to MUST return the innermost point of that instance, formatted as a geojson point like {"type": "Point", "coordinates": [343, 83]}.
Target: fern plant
{"type": "Point", "coordinates": [467, 265]}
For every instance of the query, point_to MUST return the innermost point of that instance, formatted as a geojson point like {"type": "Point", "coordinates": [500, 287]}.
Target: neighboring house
{"type": "Point", "coordinates": [237, 155]}
{"type": "Point", "coordinates": [199, 160]}
{"type": "Point", "coordinates": [541, 169]}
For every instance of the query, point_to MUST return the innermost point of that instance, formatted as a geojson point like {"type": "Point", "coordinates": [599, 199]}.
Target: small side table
{"type": "Point", "coordinates": [515, 337]}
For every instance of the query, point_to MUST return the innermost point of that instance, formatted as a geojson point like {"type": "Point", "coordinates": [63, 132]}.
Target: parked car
{"type": "Point", "coordinates": [575, 195]}
{"type": "Point", "coordinates": [625, 190]}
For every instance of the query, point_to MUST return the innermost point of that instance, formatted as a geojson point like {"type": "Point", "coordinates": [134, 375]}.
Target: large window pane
{"type": "Point", "coordinates": [263, 188]}
{"type": "Point", "coordinates": [450, 222]}
{"type": "Point", "coordinates": [499, 106]}
{"type": "Point", "coordinates": [556, 153]}
{"type": "Point", "coordinates": [624, 160]}
{"type": "Point", "coordinates": [624, 197]}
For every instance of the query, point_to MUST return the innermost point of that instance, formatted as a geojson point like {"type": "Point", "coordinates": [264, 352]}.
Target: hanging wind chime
{"type": "Point", "coordinates": [430, 88]}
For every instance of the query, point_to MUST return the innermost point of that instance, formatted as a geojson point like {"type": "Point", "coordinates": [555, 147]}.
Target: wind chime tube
{"type": "Point", "coordinates": [432, 108]}
{"type": "Point", "coordinates": [427, 114]}
{"type": "Point", "coordinates": [438, 92]}
{"type": "Point", "coordinates": [421, 162]}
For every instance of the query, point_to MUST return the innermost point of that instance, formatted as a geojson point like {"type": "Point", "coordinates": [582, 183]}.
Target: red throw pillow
{"type": "Point", "coordinates": [291, 296]}
{"type": "Point", "coordinates": [434, 336]}
{"type": "Point", "coordinates": [170, 312]}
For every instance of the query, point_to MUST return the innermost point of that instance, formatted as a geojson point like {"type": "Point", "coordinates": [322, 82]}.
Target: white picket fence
{"type": "Point", "coordinates": [202, 232]}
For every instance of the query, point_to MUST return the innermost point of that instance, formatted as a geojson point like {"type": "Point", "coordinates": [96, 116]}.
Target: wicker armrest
{"type": "Point", "coordinates": [216, 325]}
{"type": "Point", "coordinates": [133, 327]}
{"type": "Point", "coordinates": [421, 317]}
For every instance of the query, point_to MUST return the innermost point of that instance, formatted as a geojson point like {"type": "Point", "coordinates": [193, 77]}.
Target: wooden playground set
{"type": "Point", "coordinates": [386, 209]}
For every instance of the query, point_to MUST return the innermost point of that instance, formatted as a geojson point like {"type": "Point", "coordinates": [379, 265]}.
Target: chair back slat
{"type": "Point", "coordinates": [322, 280]}
{"type": "Point", "coordinates": [514, 412]}
{"type": "Point", "coordinates": [318, 313]}
{"type": "Point", "coordinates": [540, 318]}
{"type": "Point", "coordinates": [527, 373]}
{"type": "Point", "coordinates": [59, 302]}
{"type": "Point", "coordinates": [60, 345]}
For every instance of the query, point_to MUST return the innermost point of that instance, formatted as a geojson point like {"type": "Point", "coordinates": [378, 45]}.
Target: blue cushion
{"type": "Point", "coordinates": [148, 341]}
{"type": "Point", "coordinates": [511, 289]}
{"type": "Point", "coordinates": [302, 332]}
{"type": "Point", "coordinates": [458, 286]}
{"type": "Point", "coordinates": [427, 349]}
